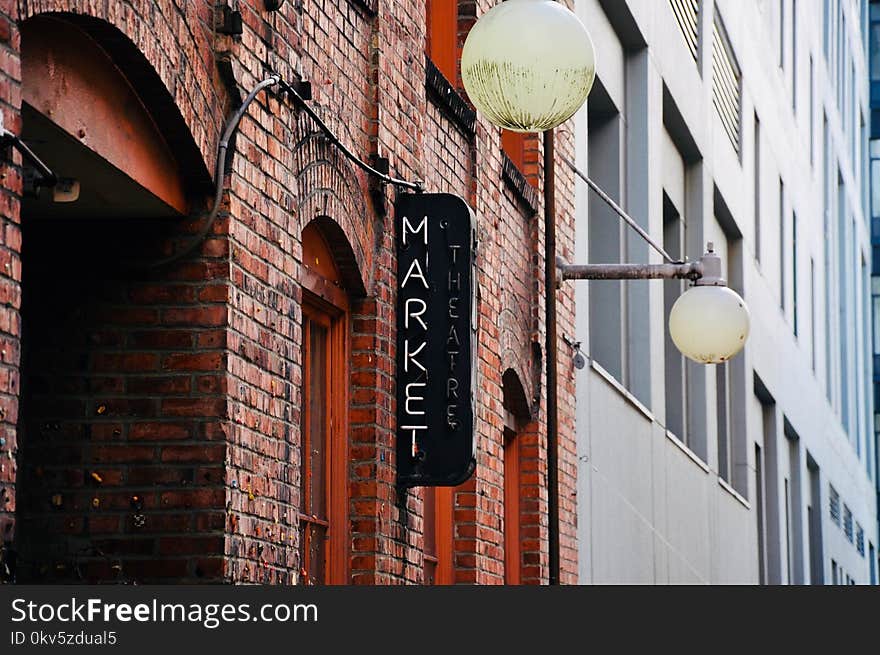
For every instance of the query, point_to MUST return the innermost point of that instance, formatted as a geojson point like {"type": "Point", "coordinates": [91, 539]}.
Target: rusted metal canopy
{"type": "Point", "coordinates": [70, 80]}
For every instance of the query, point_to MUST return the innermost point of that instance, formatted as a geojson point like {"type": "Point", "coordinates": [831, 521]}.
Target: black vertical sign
{"type": "Point", "coordinates": [436, 340]}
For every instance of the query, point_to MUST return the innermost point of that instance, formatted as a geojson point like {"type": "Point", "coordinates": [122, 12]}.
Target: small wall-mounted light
{"type": "Point", "coordinates": [578, 359]}
{"type": "Point", "coordinates": [67, 190]}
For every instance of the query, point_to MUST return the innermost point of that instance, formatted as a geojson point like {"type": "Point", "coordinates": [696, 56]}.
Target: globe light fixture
{"type": "Point", "coordinates": [528, 65]}
{"type": "Point", "coordinates": [709, 323]}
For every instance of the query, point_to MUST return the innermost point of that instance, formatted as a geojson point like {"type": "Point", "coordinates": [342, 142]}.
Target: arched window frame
{"type": "Point", "coordinates": [325, 306]}
{"type": "Point", "coordinates": [517, 421]}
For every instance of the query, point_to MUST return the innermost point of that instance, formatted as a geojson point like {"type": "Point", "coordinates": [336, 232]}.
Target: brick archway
{"type": "Point", "coordinates": [329, 190]}
{"type": "Point", "coordinates": [518, 355]}
{"type": "Point", "coordinates": [122, 403]}
{"type": "Point", "coordinates": [149, 44]}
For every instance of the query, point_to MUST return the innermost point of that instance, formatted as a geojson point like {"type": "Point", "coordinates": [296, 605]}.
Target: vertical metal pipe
{"type": "Point", "coordinates": [550, 350]}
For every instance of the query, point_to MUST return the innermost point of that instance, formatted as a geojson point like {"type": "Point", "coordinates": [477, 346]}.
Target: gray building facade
{"type": "Point", "coordinates": [745, 124]}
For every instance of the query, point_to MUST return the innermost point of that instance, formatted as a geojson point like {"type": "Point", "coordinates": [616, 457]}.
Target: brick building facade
{"type": "Point", "coordinates": [154, 366]}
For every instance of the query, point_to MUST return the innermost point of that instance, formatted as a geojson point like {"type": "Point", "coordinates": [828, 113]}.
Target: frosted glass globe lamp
{"type": "Point", "coordinates": [528, 65]}
{"type": "Point", "coordinates": [709, 323]}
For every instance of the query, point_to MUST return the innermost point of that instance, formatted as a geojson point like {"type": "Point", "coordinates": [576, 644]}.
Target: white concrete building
{"type": "Point", "coordinates": [741, 122]}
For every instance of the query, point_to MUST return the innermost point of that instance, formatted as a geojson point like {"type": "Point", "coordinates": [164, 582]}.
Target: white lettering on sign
{"type": "Point", "coordinates": [410, 356]}
{"type": "Point", "coordinates": [411, 397]}
{"type": "Point", "coordinates": [453, 342]}
{"type": "Point", "coordinates": [432, 391]}
{"type": "Point", "coordinates": [414, 311]}
{"type": "Point", "coordinates": [415, 271]}
{"type": "Point", "coordinates": [416, 315]}
{"type": "Point", "coordinates": [421, 227]}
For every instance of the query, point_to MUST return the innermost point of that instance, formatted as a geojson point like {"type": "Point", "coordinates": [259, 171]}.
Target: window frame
{"type": "Point", "coordinates": [332, 312]}
{"type": "Point", "coordinates": [511, 495]}
{"type": "Point", "coordinates": [439, 550]}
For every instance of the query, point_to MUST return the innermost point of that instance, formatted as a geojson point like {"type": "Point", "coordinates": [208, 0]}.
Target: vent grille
{"type": "Point", "coordinates": [725, 84]}
{"type": "Point", "coordinates": [687, 13]}
{"type": "Point", "coordinates": [848, 523]}
{"type": "Point", "coordinates": [834, 505]}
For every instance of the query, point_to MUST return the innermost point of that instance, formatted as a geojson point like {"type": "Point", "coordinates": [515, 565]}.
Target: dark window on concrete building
{"type": "Point", "coordinates": [814, 521]}
{"type": "Point", "coordinates": [772, 487]}
{"type": "Point", "coordinates": [782, 276]}
{"type": "Point", "coordinates": [834, 505]}
{"type": "Point", "coordinates": [794, 510]}
{"type": "Point", "coordinates": [687, 15]}
{"type": "Point", "coordinates": [844, 241]}
{"type": "Point", "coordinates": [794, 55]}
{"type": "Point", "coordinates": [605, 143]}
{"type": "Point", "coordinates": [757, 185]}
{"type": "Point", "coordinates": [676, 366]}
{"type": "Point", "coordinates": [872, 563]}
{"type": "Point", "coordinates": [813, 313]}
{"type": "Point", "coordinates": [781, 34]}
{"type": "Point", "coordinates": [812, 100]}
{"type": "Point", "coordinates": [828, 254]}
{"type": "Point", "coordinates": [786, 499]}
{"type": "Point", "coordinates": [730, 377]}
{"type": "Point", "coordinates": [794, 271]}
{"type": "Point", "coordinates": [726, 83]}
{"type": "Point", "coordinates": [723, 410]}
{"type": "Point", "coordinates": [760, 515]}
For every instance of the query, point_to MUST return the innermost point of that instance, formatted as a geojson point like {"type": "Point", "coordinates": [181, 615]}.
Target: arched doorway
{"type": "Point", "coordinates": [324, 530]}
{"type": "Point", "coordinates": [117, 411]}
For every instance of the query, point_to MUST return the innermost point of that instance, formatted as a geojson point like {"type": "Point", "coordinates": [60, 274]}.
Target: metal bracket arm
{"type": "Point", "coordinates": [49, 177]}
{"type": "Point", "coordinates": [690, 271]}
{"type": "Point", "coordinates": [382, 175]}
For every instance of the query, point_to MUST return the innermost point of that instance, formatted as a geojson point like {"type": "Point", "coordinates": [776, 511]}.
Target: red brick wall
{"type": "Point", "coordinates": [368, 76]}
{"type": "Point", "coordinates": [10, 273]}
{"type": "Point", "coordinates": [124, 373]}
{"type": "Point", "coordinates": [122, 394]}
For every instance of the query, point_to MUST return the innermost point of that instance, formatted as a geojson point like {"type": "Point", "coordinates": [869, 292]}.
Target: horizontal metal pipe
{"type": "Point", "coordinates": [689, 271]}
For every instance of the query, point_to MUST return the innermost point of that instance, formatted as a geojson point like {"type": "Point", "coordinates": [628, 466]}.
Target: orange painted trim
{"type": "Point", "coordinates": [340, 562]}
{"type": "Point", "coordinates": [336, 395]}
{"type": "Point", "coordinates": [514, 146]}
{"type": "Point", "coordinates": [512, 537]}
{"type": "Point", "coordinates": [320, 275]}
{"type": "Point", "coordinates": [442, 37]}
{"type": "Point", "coordinates": [445, 524]}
